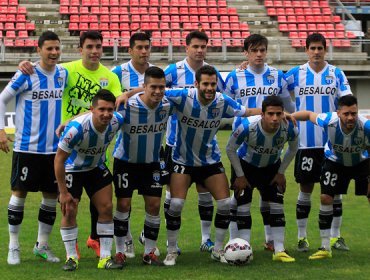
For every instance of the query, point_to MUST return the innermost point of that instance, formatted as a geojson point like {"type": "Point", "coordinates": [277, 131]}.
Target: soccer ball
{"type": "Point", "coordinates": [238, 252]}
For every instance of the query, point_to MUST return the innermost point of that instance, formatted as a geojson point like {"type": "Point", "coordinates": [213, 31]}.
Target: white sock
{"type": "Point", "coordinates": [233, 227]}
{"type": "Point", "coordinates": [120, 240]}
{"type": "Point", "coordinates": [14, 230]}
{"type": "Point", "coordinates": [337, 221]}
{"type": "Point", "coordinates": [105, 231]}
{"type": "Point", "coordinates": [69, 237]}
{"type": "Point", "coordinates": [205, 199]}
{"type": "Point", "coordinates": [278, 237]}
{"type": "Point", "coordinates": [302, 223]}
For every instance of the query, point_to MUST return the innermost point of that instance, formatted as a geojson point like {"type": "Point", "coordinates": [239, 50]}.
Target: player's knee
{"type": "Point", "coordinates": [326, 199]}
{"type": "Point", "coordinates": [105, 210]}
{"type": "Point", "coordinates": [123, 205]}
{"type": "Point", "coordinates": [153, 207]}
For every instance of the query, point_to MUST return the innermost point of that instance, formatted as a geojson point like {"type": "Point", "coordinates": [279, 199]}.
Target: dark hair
{"type": "Point", "coordinates": [92, 35]}
{"type": "Point", "coordinates": [347, 100]}
{"type": "Point", "coordinates": [196, 34]}
{"type": "Point", "coordinates": [255, 40]}
{"type": "Point", "coordinates": [103, 94]}
{"type": "Point", "coordinates": [272, 100]}
{"type": "Point", "coordinates": [47, 36]}
{"type": "Point", "coordinates": [207, 70]}
{"type": "Point", "coordinates": [139, 36]}
{"type": "Point", "coordinates": [315, 38]}
{"type": "Point", "coordinates": [153, 72]}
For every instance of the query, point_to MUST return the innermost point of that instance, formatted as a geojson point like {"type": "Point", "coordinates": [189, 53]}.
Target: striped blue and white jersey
{"type": "Point", "coordinates": [38, 108]}
{"type": "Point", "coordinates": [250, 88]}
{"type": "Point", "coordinates": [181, 75]}
{"type": "Point", "coordinates": [140, 138]}
{"type": "Point", "coordinates": [316, 92]}
{"type": "Point", "coordinates": [196, 143]}
{"type": "Point", "coordinates": [259, 148]}
{"type": "Point", "coordinates": [346, 149]}
{"type": "Point", "coordinates": [86, 145]}
{"type": "Point", "coordinates": [128, 76]}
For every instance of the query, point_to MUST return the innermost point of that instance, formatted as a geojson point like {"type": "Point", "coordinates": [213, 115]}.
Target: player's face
{"type": "Point", "coordinates": [316, 52]}
{"type": "Point", "coordinates": [271, 118]}
{"type": "Point", "coordinates": [102, 113]}
{"type": "Point", "coordinates": [348, 116]}
{"type": "Point", "coordinates": [154, 91]}
{"type": "Point", "coordinates": [256, 55]}
{"type": "Point", "coordinates": [49, 54]}
{"type": "Point", "coordinates": [140, 53]}
{"type": "Point", "coordinates": [91, 53]}
{"type": "Point", "coordinates": [206, 88]}
{"type": "Point", "coordinates": [196, 50]}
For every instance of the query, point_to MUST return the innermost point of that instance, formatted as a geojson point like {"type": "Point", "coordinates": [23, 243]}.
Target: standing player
{"type": "Point", "coordinates": [80, 163]}
{"type": "Point", "coordinates": [346, 157]}
{"type": "Point", "coordinates": [250, 87]}
{"type": "Point", "coordinates": [131, 76]}
{"type": "Point", "coordinates": [38, 111]}
{"type": "Point", "coordinates": [317, 86]}
{"type": "Point", "coordinates": [137, 159]}
{"type": "Point", "coordinates": [196, 156]}
{"type": "Point", "coordinates": [182, 75]}
{"type": "Point", "coordinates": [86, 77]}
{"type": "Point", "coordinates": [260, 140]}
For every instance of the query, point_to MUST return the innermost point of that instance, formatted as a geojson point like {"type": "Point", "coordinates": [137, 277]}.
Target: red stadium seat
{"type": "Point", "coordinates": [73, 26]}
{"type": "Point", "coordinates": [20, 26]}
{"type": "Point", "coordinates": [9, 43]}
{"type": "Point", "coordinates": [114, 26]}
{"type": "Point", "coordinates": [104, 26]}
{"type": "Point", "coordinates": [9, 26]}
{"type": "Point", "coordinates": [29, 43]}
{"type": "Point", "coordinates": [19, 43]}
{"type": "Point", "coordinates": [20, 18]}
{"type": "Point", "coordinates": [63, 10]}
{"type": "Point", "coordinates": [10, 34]}
{"type": "Point", "coordinates": [164, 26]}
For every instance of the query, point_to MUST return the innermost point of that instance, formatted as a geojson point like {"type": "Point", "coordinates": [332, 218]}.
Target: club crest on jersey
{"type": "Point", "coordinates": [270, 79]}
{"type": "Point", "coordinates": [103, 82]}
{"type": "Point", "coordinates": [60, 81]}
{"type": "Point", "coordinates": [329, 79]}
{"type": "Point", "coordinates": [357, 140]}
{"type": "Point", "coordinates": [156, 175]}
{"type": "Point", "coordinates": [162, 114]}
{"type": "Point", "coordinates": [162, 164]}
{"type": "Point", "coordinates": [279, 140]}
{"type": "Point", "coordinates": [215, 112]}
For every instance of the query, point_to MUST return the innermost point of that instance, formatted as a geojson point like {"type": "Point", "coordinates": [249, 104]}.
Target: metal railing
{"type": "Point", "coordinates": [279, 49]}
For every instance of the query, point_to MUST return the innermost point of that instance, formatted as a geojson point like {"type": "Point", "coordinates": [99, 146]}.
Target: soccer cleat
{"type": "Point", "coordinates": [142, 242]}
{"type": "Point", "coordinates": [129, 249]}
{"type": "Point", "coordinates": [142, 238]}
{"type": "Point", "coordinates": [45, 253]}
{"type": "Point", "coordinates": [70, 265]}
{"type": "Point", "coordinates": [120, 258]}
{"type": "Point", "coordinates": [170, 259]}
{"type": "Point", "coordinates": [338, 243]}
{"type": "Point", "coordinates": [322, 253]}
{"type": "Point", "coordinates": [269, 245]}
{"type": "Point", "coordinates": [109, 263]}
{"type": "Point", "coordinates": [94, 244]}
{"type": "Point", "coordinates": [218, 255]}
{"type": "Point", "coordinates": [14, 256]}
{"type": "Point", "coordinates": [152, 259]}
{"type": "Point", "coordinates": [303, 245]}
{"type": "Point", "coordinates": [282, 257]}
{"type": "Point", "coordinates": [207, 246]}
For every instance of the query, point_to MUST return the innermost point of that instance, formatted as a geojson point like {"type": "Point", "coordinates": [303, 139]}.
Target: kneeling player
{"type": "Point", "coordinates": [261, 140]}
{"type": "Point", "coordinates": [346, 158]}
{"type": "Point", "coordinates": [81, 153]}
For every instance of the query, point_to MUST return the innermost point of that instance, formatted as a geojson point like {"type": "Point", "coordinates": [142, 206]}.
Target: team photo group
{"type": "Point", "coordinates": [163, 125]}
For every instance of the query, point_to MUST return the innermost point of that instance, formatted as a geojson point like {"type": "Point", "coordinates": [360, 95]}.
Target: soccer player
{"type": "Point", "coordinates": [346, 157]}
{"type": "Point", "coordinates": [137, 158]}
{"type": "Point", "coordinates": [196, 156]}
{"type": "Point", "coordinates": [80, 163]}
{"type": "Point", "coordinates": [182, 75]}
{"type": "Point", "coordinates": [250, 87]}
{"type": "Point", "coordinates": [131, 76]}
{"type": "Point", "coordinates": [38, 114]}
{"type": "Point", "coordinates": [316, 85]}
{"type": "Point", "coordinates": [254, 150]}
{"type": "Point", "coordinates": [86, 77]}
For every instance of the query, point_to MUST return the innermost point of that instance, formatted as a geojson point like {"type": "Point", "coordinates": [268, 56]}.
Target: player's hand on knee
{"type": "Point", "coordinates": [279, 181]}
{"type": "Point", "coordinates": [240, 184]}
{"type": "Point", "coordinates": [67, 203]}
